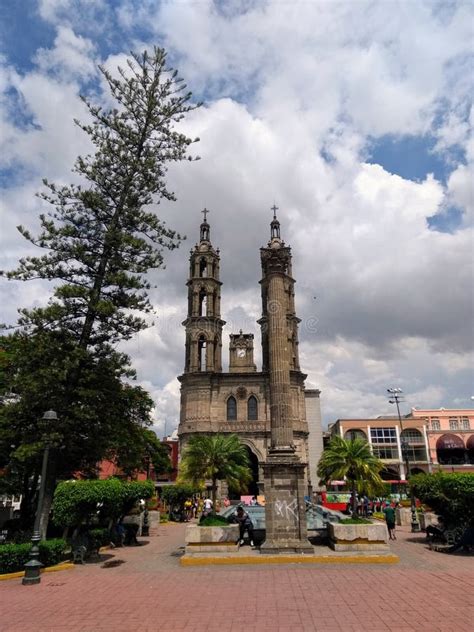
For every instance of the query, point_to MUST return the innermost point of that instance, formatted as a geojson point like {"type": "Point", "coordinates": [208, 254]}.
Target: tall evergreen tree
{"type": "Point", "coordinates": [102, 236]}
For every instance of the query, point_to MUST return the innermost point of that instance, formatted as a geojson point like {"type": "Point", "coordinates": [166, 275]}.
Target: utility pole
{"type": "Point", "coordinates": [396, 396]}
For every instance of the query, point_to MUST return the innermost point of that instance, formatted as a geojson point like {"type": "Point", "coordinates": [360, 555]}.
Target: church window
{"type": "Point", "coordinates": [202, 302]}
{"type": "Point", "coordinates": [202, 353]}
{"type": "Point", "coordinates": [252, 408]}
{"type": "Point", "coordinates": [231, 409]}
{"type": "Point", "coordinates": [202, 267]}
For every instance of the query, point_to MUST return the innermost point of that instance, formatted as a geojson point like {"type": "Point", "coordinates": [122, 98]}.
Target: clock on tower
{"type": "Point", "coordinates": [241, 353]}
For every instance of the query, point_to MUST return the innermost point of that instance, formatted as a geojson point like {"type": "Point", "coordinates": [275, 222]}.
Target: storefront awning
{"type": "Point", "coordinates": [450, 442]}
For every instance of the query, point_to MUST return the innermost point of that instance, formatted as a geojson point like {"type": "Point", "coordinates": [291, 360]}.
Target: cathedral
{"type": "Point", "coordinates": [242, 400]}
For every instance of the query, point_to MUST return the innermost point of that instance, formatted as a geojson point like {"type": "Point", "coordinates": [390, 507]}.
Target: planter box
{"type": "Point", "coordinates": [403, 516]}
{"type": "Point", "coordinates": [358, 537]}
{"type": "Point", "coordinates": [426, 519]}
{"type": "Point", "coordinates": [212, 539]}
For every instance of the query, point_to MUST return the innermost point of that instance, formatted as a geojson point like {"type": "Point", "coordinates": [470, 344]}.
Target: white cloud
{"type": "Point", "coordinates": [296, 91]}
{"type": "Point", "coordinates": [71, 55]}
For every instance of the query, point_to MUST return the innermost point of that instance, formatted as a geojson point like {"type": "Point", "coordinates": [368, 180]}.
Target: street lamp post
{"type": "Point", "coordinates": [146, 524]}
{"type": "Point", "coordinates": [33, 566]}
{"type": "Point", "coordinates": [396, 396]}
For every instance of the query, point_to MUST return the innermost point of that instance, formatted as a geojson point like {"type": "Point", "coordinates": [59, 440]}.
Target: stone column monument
{"type": "Point", "coordinates": [284, 472]}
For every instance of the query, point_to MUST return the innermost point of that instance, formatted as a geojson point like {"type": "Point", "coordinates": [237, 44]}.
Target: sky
{"type": "Point", "coordinates": [353, 117]}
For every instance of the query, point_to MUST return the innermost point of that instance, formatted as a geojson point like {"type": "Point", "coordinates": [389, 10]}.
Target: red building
{"type": "Point", "coordinates": [107, 468]}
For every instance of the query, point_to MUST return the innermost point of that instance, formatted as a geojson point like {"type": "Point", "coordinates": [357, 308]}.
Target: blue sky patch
{"type": "Point", "coordinates": [446, 222]}
{"type": "Point", "coordinates": [412, 157]}
{"type": "Point", "coordinates": [21, 23]}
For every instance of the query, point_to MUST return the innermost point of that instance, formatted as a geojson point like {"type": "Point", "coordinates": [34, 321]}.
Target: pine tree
{"type": "Point", "coordinates": [102, 236]}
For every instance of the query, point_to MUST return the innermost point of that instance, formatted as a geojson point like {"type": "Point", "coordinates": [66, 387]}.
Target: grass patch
{"type": "Point", "coordinates": [355, 521]}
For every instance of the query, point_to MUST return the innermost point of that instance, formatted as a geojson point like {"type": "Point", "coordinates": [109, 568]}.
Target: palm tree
{"type": "Point", "coordinates": [216, 457]}
{"type": "Point", "coordinates": [354, 461]}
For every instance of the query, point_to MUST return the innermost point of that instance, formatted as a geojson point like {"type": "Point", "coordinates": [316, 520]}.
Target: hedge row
{"type": "Point", "coordinates": [13, 557]}
{"type": "Point", "coordinates": [76, 502]}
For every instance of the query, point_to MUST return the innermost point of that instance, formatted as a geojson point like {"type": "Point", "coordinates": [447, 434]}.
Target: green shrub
{"type": "Point", "coordinates": [77, 501]}
{"type": "Point", "coordinates": [355, 521]}
{"type": "Point", "coordinates": [99, 537]}
{"type": "Point", "coordinates": [164, 517]}
{"type": "Point", "coordinates": [177, 494]}
{"type": "Point", "coordinates": [213, 521]}
{"type": "Point", "coordinates": [451, 496]}
{"type": "Point", "coordinates": [13, 557]}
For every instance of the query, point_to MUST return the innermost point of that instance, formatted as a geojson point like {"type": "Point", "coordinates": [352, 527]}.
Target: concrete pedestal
{"type": "Point", "coordinates": [358, 537]}
{"type": "Point", "coordinates": [403, 516]}
{"type": "Point", "coordinates": [426, 519]}
{"type": "Point", "coordinates": [285, 516]}
{"type": "Point", "coordinates": [212, 539]}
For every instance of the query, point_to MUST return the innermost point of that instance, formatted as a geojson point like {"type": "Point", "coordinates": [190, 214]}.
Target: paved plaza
{"type": "Point", "coordinates": [144, 589]}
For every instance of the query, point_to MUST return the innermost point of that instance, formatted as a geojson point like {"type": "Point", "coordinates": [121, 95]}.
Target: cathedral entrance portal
{"type": "Point", "coordinates": [252, 487]}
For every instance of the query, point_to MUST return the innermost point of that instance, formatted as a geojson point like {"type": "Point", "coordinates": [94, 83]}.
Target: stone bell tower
{"type": "Point", "coordinates": [284, 471]}
{"type": "Point", "coordinates": [203, 323]}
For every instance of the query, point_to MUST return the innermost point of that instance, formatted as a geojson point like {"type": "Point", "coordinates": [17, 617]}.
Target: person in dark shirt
{"type": "Point", "coordinates": [245, 524]}
{"type": "Point", "coordinates": [389, 512]}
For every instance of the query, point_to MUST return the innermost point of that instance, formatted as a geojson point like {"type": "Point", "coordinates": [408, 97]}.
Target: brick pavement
{"type": "Point", "coordinates": [149, 591]}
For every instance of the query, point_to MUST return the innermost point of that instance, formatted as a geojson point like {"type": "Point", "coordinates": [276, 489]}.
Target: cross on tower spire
{"type": "Point", "coordinates": [205, 212]}
{"type": "Point", "coordinates": [274, 209]}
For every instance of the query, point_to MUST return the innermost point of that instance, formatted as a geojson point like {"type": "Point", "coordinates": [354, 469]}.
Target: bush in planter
{"type": "Point", "coordinates": [355, 521]}
{"type": "Point", "coordinates": [213, 520]}
{"type": "Point", "coordinates": [13, 557]}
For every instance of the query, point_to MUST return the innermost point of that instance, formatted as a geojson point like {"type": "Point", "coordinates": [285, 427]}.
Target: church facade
{"type": "Point", "coordinates": [238, 401]}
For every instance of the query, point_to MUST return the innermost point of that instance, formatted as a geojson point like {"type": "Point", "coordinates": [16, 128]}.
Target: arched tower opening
{"type": "Point", "coordinates": [202, 347]}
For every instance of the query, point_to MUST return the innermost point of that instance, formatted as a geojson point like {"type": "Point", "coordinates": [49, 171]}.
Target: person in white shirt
{"type": "Point", "coordinates": [207, 506]}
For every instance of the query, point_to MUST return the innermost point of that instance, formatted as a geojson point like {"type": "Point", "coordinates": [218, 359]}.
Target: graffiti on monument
{"type": "Point", "coordinates": [286, 510]}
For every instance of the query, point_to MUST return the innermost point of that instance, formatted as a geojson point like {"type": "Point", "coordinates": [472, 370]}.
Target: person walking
{"type": "Point", "coordinates": [207, 507]}
{"type": "Point", "coordinates": [389, 513]}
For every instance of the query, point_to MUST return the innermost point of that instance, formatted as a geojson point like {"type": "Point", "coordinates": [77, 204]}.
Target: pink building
{"type": "Point", "coordinates": [429, 440]}
{"type": "Point", "coordinates": [450, 437]}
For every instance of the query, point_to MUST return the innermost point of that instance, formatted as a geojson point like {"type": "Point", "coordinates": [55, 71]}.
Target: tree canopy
{"type": "Point", "coordinates": [450, 495]}
{"type": "Point", "coordinates": [102, 236]}
{"type": "Point", "coordinates": [217, 457]}
{"type": "Point", "coordinates": [351, 460]}
{"type": "Point", "coordinates": [103, 418]}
